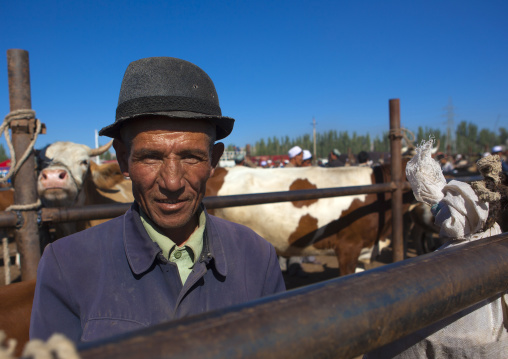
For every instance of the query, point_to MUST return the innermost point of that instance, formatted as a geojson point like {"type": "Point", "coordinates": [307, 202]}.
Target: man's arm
{"type": "Point", "coordinates": [53, 310]}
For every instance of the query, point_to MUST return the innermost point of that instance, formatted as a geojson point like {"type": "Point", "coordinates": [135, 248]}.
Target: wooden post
{"type": "Point", "coordinates": [24, 181]}
{"type": "Point", "coordinates": [396, 168]}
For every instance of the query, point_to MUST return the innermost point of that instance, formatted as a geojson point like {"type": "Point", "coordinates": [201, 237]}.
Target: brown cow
{"type": "Point", "coordinates": [15, 309]}
{"type": "Point", "coordinates": [339, 225]}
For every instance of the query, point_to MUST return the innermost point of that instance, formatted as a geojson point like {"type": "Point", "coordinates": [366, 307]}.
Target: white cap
{"type": "Point", "coordinates": [497, 149]}
{"type": "Point", "coordinates": [295, 151]}
{"type": "Point", "coordinates": [307, 155]}
{"type": "Point", "coordinates": [263, 163]}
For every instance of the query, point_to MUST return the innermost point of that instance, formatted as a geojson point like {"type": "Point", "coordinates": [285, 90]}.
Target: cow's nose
{"type": "Point", "coordinates": [53, 177]}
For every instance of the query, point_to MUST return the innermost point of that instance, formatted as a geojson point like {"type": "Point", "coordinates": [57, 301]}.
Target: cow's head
{"type": "Point", "coordinates": [63, 167]}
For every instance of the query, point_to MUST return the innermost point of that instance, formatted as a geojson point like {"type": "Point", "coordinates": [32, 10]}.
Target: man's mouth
{"type": "Point", "coordinates": [169, 201]}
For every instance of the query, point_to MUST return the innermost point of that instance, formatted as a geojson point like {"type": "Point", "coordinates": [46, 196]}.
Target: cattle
{"type": "Point", "coordinates": [15, 309]}
{"type": "Point", "coordinates": [69, 178]}
{"type": "Point", "coordinates": [422, 231]}
{"type": "Point", "coordinates": [339, 226]}
{"type": "Point", "coordinates": [6, 197]}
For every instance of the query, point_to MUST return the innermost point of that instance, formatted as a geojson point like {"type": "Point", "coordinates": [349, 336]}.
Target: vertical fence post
{"type": "Point", "coordinates": [396, 168]}
{"type": "Point", "coordinates": [24, 181]}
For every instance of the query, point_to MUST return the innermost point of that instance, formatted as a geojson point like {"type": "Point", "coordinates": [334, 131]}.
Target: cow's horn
{"type": "Point", "coordinates": [100, 150]}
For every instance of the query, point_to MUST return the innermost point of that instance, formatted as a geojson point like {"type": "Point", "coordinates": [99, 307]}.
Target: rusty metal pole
{"type": "Point", "coordinates": [396, 168]}
{"type": "Point", "coordinates": [24, 181]}
{"type": "Point", "coordinates": [339, 318]}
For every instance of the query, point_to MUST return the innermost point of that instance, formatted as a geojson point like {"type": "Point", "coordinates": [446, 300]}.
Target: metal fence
{"type": "Point", "coordinates": [338, 318]}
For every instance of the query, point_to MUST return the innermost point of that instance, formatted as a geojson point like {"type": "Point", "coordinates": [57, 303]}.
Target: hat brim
{"type": "Point", "coordinates": [224, 125]}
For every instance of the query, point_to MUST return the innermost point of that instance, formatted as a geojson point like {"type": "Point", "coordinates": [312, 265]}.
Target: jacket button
{"type": "Point", "coordinates": [178, 255]}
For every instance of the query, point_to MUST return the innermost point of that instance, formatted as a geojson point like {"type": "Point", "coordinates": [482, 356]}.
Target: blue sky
{"type": "Point", "coordinates": [275, 64]}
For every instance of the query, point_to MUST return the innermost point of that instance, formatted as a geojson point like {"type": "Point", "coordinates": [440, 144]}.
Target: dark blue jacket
{"type": "Point", "coordinates": [112, 278]}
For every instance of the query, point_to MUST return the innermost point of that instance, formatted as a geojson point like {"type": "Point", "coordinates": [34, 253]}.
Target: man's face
{"type": "Point", "coordinates": [169, 162]}
{"type": "Point", "coordinates": [299, 159]}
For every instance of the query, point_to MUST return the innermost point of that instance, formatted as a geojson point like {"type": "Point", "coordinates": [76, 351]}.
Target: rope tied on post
{"type": "Point", "coordinates": [24, 114]}
{"type": "Point", "coordinates": [402, 133]}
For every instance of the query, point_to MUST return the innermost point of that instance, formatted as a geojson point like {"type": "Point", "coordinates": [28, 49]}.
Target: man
{"type": "Point", "coordinates": [498, 150]}
{"type": "Point", "coordinates": [166, 258]}
{"type": "Point", "coordinates": [307, 158]}
{"type": "Point", "coordinates": [295, 157]}
{"type": "Point", "coordinates": [363, 159]}
{"type": "Point", "coordinates": [333, 159]}
{"type": "Point", "coordinates": [239, 160]}
{"type": "Point", "coordinates": [293, 265]}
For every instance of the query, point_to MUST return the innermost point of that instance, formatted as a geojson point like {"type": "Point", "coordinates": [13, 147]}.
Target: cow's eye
{"type": "Point", "coordinates": [84, 162]}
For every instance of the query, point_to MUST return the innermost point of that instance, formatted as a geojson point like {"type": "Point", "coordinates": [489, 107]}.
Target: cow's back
{"type": "Point", "coordinates": [285, 222]}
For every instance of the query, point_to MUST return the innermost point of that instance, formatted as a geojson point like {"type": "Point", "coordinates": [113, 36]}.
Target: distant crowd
{"type": "Point", "coordinates": [457, 164]}
{"type": "Point", "coordinates": [298, 157]}
{"type": "Point", "coordinates": [462, 165]}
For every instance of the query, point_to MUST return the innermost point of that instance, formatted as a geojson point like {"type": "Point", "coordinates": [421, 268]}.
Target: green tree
{"type": "Point", "coordinates": [3, 153]}
{"type": "Point", "coordinates": [106, 156]}
{"type": "Point", "coordinates": [503, 136]}
{"type": "Point", "coordinates": [486, 139]}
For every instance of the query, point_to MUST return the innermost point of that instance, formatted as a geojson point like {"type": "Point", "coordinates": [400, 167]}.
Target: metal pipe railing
{"type": "Point", "coordinates": [339, 318]}
{"type": "Point", "coordinates": [55, 215]}
{"type": "Point", "coordinates": [396, 172]}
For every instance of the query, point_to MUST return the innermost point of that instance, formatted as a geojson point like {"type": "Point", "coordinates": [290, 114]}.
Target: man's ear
{"type": "Point", "coordinates": [218, 150]}
{"type": "Point", "coordinates": [122, 156]}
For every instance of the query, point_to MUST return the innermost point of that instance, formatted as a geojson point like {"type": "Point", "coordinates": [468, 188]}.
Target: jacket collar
{"type": "Point", "coordinates": [212, 246]}
{"type": "Point", "coordinates": [142, 252]}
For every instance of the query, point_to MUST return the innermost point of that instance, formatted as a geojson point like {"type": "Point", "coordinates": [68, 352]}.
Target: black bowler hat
{"type": "Point", "coordinates": [170, 87]}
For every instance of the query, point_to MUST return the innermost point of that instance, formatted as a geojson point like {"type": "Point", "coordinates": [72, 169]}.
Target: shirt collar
{"type": "Point", "coordinates": [193, 245]}
{"type": "Point", "coordinates": [141, 251]}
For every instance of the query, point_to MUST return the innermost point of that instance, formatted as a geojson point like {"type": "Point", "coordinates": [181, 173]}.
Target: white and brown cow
{"type": "Point", "coordinates": [338, 225]}
{"type": "Point", "coordinates": [69, 178]}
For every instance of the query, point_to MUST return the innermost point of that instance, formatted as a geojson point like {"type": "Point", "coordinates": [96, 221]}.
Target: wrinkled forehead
{"type": "Point", "coordinates": [137, 126]}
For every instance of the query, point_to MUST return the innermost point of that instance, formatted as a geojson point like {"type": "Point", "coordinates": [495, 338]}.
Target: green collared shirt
{"type": "Point", "coordinates": [185, 256]}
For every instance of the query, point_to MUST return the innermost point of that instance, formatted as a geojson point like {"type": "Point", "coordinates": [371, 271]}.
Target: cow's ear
{"type": "Point", "coordinates": [122, 156]}
{"type": "Point", "coordinates": [218, 150]}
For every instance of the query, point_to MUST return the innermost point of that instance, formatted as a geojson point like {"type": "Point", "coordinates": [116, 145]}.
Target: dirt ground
{"type": "Point", "coordinates": [327, 267]}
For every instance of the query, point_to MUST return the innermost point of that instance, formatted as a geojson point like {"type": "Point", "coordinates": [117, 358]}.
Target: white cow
{"type": "Point", "coordinates": [339, 225]}
{"type": "Point", "coordinates": [69, 178]}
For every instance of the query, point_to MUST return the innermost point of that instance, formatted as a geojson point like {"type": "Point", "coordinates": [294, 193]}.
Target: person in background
{"type": "Point", "coordinates": [239, 160]}
{"type": "Point", "coordinates": [293, 265]}
{"type": "Point", "coordinates": [295, 157]}
{"type": "Point", "coordinates": [307, 158]}
{"type": "Point", "coordinates": [166, 257]}
{"type": "Point", "coordinates": [333, 159]}
{"type": "Point", "coordinates": [498, 150]}
{"type": "Point", "coordinates": [445, 162]}
{"type": "Point", "coordinates": [363, 159]}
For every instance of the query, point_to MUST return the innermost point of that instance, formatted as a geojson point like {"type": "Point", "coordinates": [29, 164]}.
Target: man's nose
{"type": "Point", "coordinates": [171, 176]}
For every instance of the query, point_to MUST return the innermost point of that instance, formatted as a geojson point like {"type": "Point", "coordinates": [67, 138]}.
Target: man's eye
{"type": "Point", "coordinates": [193, 159]}
{"type": "Point", "coordinates": [148, 157]}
